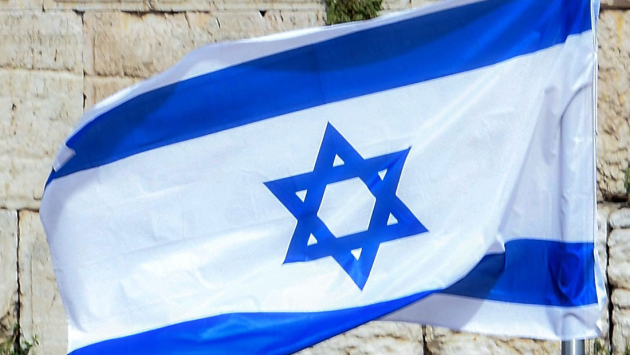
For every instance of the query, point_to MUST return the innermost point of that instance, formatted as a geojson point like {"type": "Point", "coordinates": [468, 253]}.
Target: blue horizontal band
{"type": "Point", "coordinates": [365, 62]}
{"type": "Point", "coordinates": [534, 272]}
{"type": "Point", "coordinates": [530, 271]}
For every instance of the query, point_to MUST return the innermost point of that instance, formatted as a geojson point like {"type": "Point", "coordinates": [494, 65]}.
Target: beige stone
{"type": "Point", "coordinates": [41, 310]}
{"type": "Point", "coordinates": [99, 88]}
{"type": "Point", "coordinates": [373, 338]}
{"type": "Point", "coordinates": [86, 5]}
{"type": "Point", "coordinates": [21, 4]}
{"type": "Point", "coordinates": [396, 5]}
{"type": "Point", "coordinates": [621, 331]}
{"type": "Point", "coordinates": [441, 341]}
{"type": "Point", "coordinates": [615, 4]}
{"type": "Point", "coordinates": [8, 271]}
{"type": "Point", "coordinates": [418, 3]}
{"type": "Point", "coordinates": [140, 45]}
{"type": "Point", "coordinates": [37, 111]}
{"type": "Point", "coordinates": [614, 102]}
{"type": "Point", "coordinates": [603, 214]}
{"type": "Point", "coordinates": [34, 40]}
{"type": "Point", "coordinates": [620, 218]}
{"type": "Point", "coordinates": [123, 44]}
{"type": "Point", "coordinates": [621, 320]}
{"type": "Point", "coordinates": [236, 5]}
{"type": "Point", "coordinates": [619, 258]}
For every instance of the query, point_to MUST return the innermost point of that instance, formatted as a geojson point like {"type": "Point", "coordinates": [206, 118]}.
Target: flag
{"type": "Point", "coordinates": [434, 166]}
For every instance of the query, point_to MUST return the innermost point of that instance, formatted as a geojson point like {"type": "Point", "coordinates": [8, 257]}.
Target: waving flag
{"type": "Point", "coordinates": [433, 166]}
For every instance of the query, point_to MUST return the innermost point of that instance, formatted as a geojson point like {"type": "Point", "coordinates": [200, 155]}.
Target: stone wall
{"type": "Point", "coordinates": [59, 57]}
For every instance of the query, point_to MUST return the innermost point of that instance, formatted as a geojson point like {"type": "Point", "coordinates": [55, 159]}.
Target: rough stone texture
{"type": "Point", "coordinates": [235, 5]}
{"type": "Point", "coordinates": [619, 262]}
{"type": "Point", "coordinates": [85, 5]}
{"type": "Point", "coordinates": [621, 321]}
{"type": "Point", "coordinates": [603, 213]}
{"type": "Point", "coordinates": [37, 110]}
{"type": "Point", "coordinates": [96, 89]}
{"type": "Point", "coordinates": [614, 102]}
{"type": "Point", "coordinates": [8, 271]}
{"type": "Point", "coordinates": [441, 341]}
{"type": "Point", "coordinates": [373, 338]}
{"type": "Point", "coordinates": [41, 310]}
{"type": "Point", "coordinates": [130, 45]}
{"type": "Point", "coordinates": [20, 4]}
{"type": "Point", "coordinates": [41, 41]}
{"type": "Point", "coordinates": [620, 219]}
{"type": "Point", "coordinates": [615, 4]}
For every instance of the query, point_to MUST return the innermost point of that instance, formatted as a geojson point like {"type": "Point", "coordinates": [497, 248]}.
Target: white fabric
{"type": "Point", "coordinates": [188, 231]}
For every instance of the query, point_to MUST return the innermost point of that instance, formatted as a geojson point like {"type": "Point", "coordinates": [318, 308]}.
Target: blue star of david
{"type": "Point", "coordinates": [314, 183]}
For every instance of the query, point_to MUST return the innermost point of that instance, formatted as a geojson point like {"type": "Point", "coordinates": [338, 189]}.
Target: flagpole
{"type": "Point", "coordinates": [573, 347]}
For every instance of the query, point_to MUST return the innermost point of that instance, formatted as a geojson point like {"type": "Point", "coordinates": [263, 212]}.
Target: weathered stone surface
{"type": "Point", "coordinates": [604, 210]}
{"type": "Point", "coordinates": [441, 341]}
{"type": "Point", "coordinates": [236, 5]}
{"type": "Point", "coordinates": [615, 4]}
{"type": "Point", "coordinates": [131, 45]}
{"type": "Point", "coordinates": [85, 5]}
{"type": "Point", "coordinates": [37, 111]}
{"type": "Point", "coordinates": [619, 258]}
{"type": "Point", "coordinates": [396, 5]}
{"type": "Point", "coordinates": [620, 219]}
{"type": "Point", "coordinates": [614, 102]}
{"type": "Point", "coordinates": [20, 4]}
{"type": "Point", "coordinates": [32, 40]}
{"type": "Point", "coordinates": [603, 213]}
{"type": "Point", "coordinates": [373, 338]}
{"type": "Point", "coordinates": [122, 44]}
{"type": "Point", "coordinates": [97, 88]}
{"type": "Point", "coordinates": [8, 271]}
{"type": "Point", "coordinates": [41, 309]}
{"type": "Point", "coordinates": [417, 3]}
{"type": "Point", "coordinates": [621, 322]}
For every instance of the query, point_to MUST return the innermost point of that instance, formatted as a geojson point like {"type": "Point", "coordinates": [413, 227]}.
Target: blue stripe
{"type": "Point", "coordinates": [534, 272]}
{"type": "Point", "coordinates": [361, 63]}
{"type": "Point", "coordinates": [530, 271]}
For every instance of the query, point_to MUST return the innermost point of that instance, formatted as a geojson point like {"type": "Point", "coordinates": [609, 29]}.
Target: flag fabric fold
{"type": "Point", "coordinates": [434, 166]}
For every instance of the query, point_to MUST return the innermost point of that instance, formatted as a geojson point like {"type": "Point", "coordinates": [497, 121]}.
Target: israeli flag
{"type": "Point", "coordinates": [434, 166]}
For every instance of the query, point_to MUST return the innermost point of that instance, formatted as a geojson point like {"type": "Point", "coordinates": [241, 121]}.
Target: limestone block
{"type": "Point", "coordinates": [98, 88]}
{"type": "Point", "coordinates": [41, 309]}
{"type": "Point", "coordinates": [621, 321]}
{"type": "Point", "coordinates": [396, 5]}
{"type": "Point", "coordinates": [34, 40]}
{"type": "Point", "coordinates": [140, 45]}
{"type": "Point", "coordinates": [614, 102]}
{"type": "Point", "coordinates": [619, 258]}
{"type": "Point", "coordinates": [615, 4]}
{"type": "Point", "coordinates": [85, 5]}
{"type": "Point", "coordinates": [603, 212]}
{"type": "Point", "coordinates": [620, 219]}
{"type": "Point", "coordinates": [621, 331]}
{"type": "Point", "coordinates": [37, 111]}
{"type": "Point", "coordinates": [282, 20]}
{"type": "Point", "coordinates": [8, 271]}
{"type": "Point", "coordinates": [418, 3]}
{"type": "Point", "coordinates": [123, 44]}
{"type": "Point", "coordinates": [373, 338]}
{"type": "Point", "coordinates": [236, 5]}
{"type": "Point", "coordinates": [441, 341]}
{"type": "Point", "coordinates": [21, 5]}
